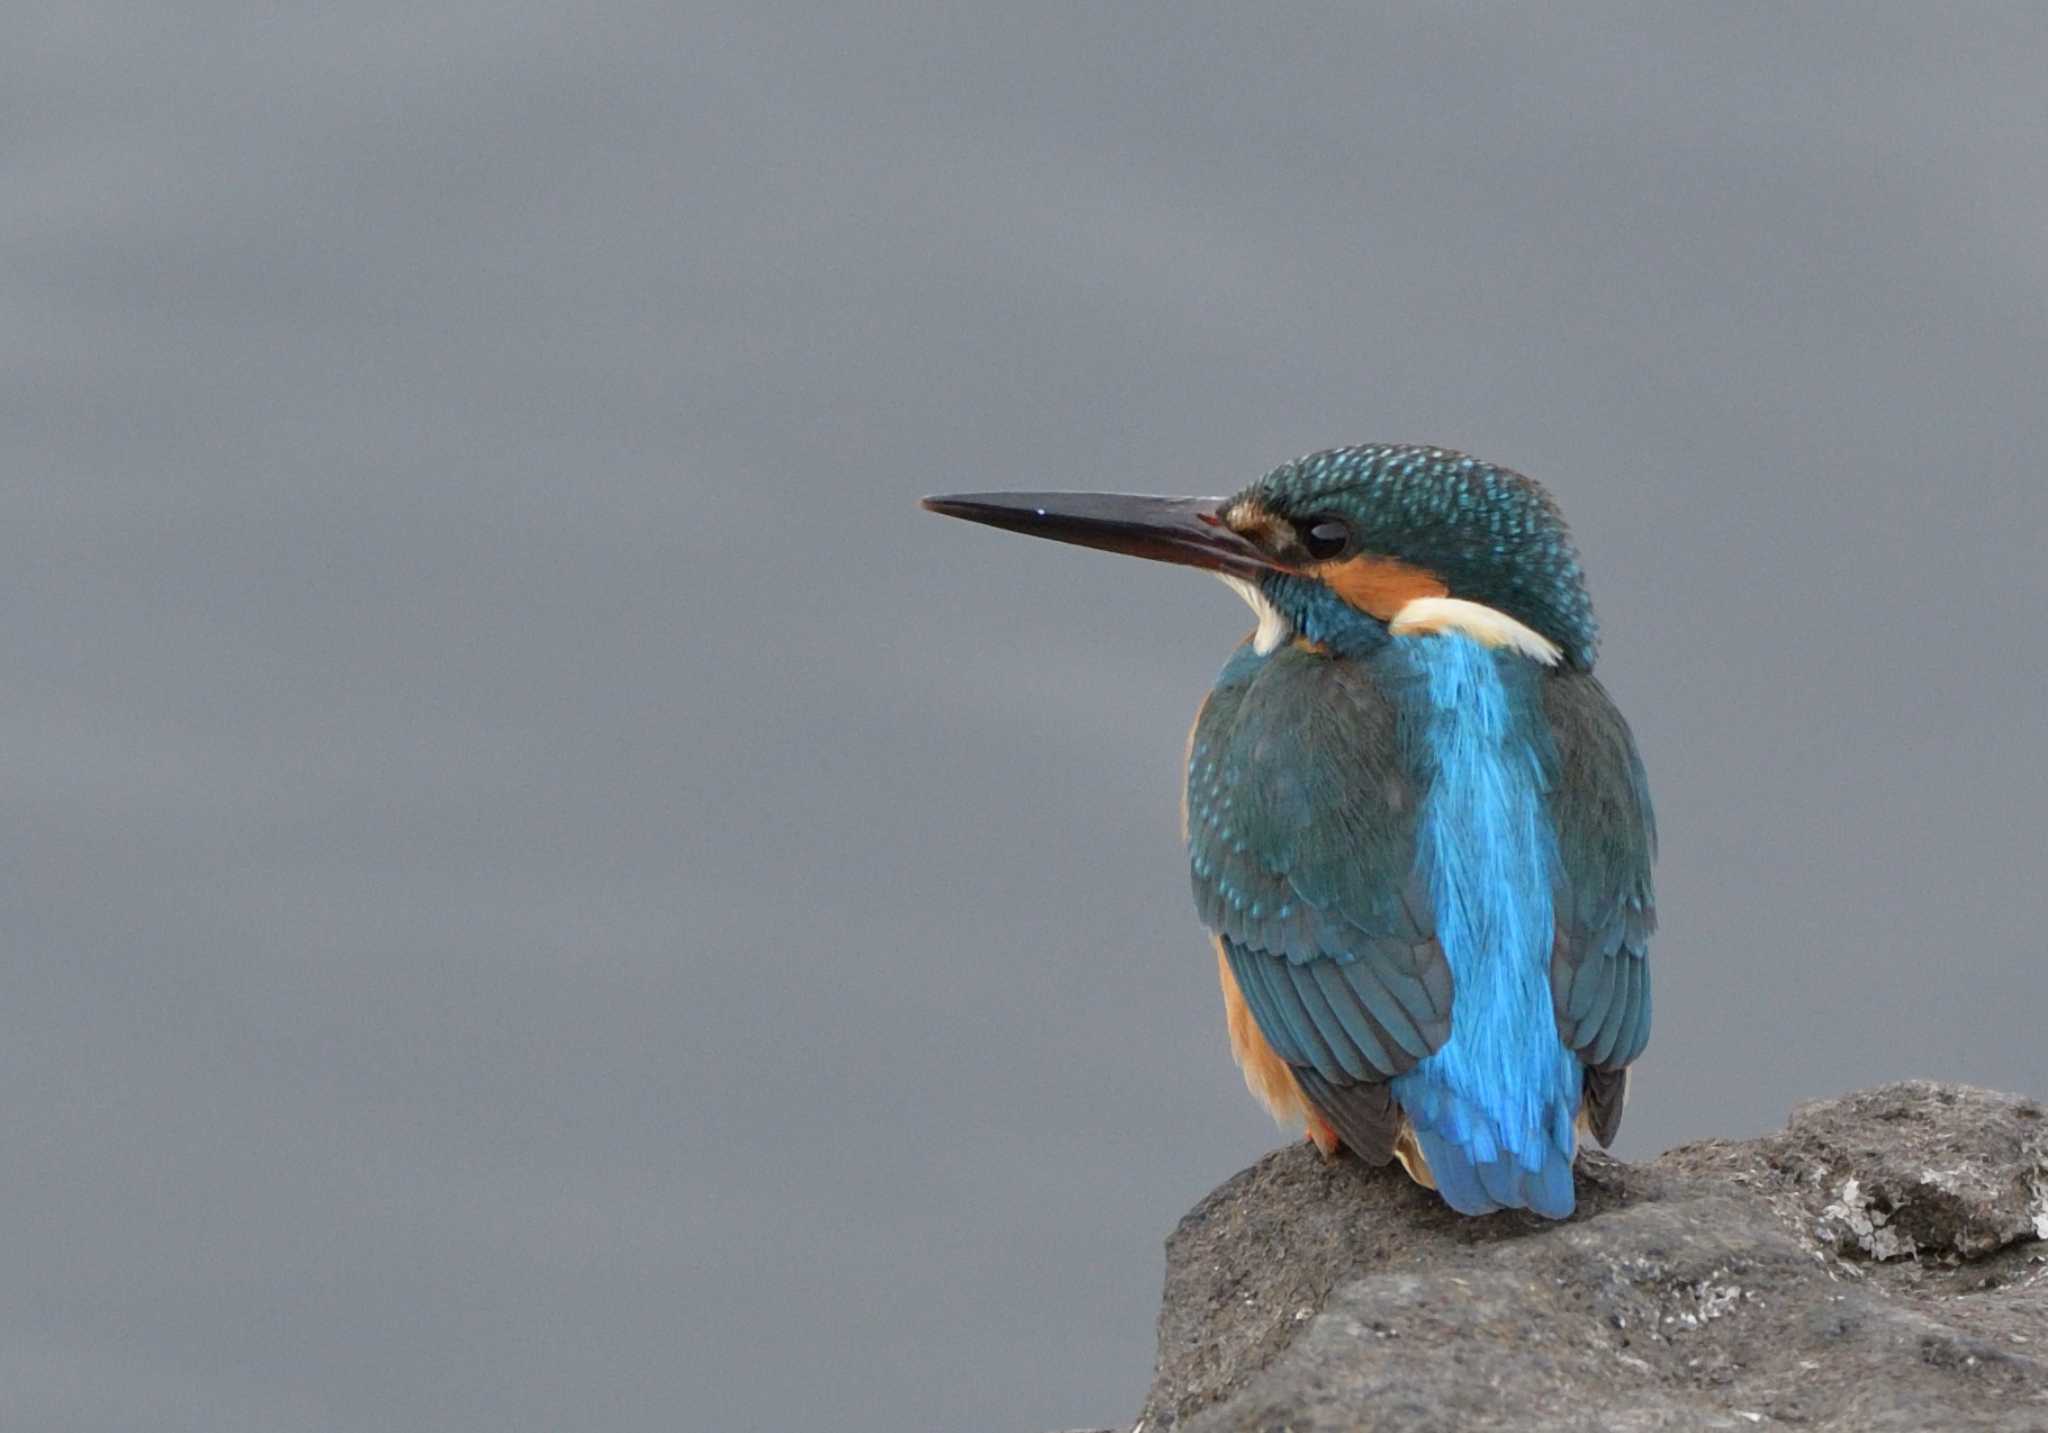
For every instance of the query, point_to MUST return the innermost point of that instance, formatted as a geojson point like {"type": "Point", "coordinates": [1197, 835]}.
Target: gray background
{"type": "Point", "coordinates": [542, 893]}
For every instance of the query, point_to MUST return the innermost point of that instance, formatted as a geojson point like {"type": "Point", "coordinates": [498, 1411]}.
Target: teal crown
{"type": "Point", "coordinates": [1490, 534]}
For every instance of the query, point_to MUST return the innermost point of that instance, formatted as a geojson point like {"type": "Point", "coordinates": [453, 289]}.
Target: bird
{"type": "Point", "coordinates": [1419, 832]}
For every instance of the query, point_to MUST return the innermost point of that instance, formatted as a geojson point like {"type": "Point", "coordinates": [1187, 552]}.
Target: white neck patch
{"type": "Point", "coordinates": [1488, 626]}
{"type": "Point", "coordinates": [1273, 627]}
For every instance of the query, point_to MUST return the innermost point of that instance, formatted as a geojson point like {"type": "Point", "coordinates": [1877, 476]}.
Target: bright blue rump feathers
{"type": "Point", "coordinates": [1493, 1108]}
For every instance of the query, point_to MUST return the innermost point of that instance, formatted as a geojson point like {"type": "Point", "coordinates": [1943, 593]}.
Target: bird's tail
{"type": "Point", "coordinates": [1478, 1166]}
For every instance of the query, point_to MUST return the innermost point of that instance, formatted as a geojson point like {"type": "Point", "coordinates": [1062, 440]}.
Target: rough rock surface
{"type": "Point", "coordinates": [1876, 1265]}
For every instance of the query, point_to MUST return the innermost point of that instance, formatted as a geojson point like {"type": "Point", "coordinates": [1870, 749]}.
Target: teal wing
{"type": "Point", "coordinates": [1605, 904]}
{"type": "Point", "coordinates": [1301, 842]}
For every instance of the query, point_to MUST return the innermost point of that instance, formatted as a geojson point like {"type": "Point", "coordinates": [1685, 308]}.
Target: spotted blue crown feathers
{"type": "Point", "coordinates": [1494, 536]}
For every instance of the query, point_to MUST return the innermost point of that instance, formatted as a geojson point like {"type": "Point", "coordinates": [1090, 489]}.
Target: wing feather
{"type": "Point", "coordinates": [1301, 835]}
{"type": "Point", "coordinates": [1605, 903]}
{"type": "Point", "coordinates": [1364, 1030]}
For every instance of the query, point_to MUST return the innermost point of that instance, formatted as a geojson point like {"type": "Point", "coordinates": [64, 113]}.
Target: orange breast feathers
{"type": "Point", "coordinates": [1265, 1074]}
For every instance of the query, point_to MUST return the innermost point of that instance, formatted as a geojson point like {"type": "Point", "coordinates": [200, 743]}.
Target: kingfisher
{"type": "Point", "coordinates": [1418, 829]}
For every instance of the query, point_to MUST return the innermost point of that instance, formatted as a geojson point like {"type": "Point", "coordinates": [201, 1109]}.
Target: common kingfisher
{"type": "Point", "coordinates": [1417, 826]}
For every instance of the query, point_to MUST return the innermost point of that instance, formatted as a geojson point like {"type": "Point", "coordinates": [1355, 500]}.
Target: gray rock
{"type": "Point", "coordinates": [1876, 1265]}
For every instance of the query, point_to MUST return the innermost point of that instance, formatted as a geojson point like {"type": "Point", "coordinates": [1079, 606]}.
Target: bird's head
{"type": "Point", "coordinates": [1344, 547]}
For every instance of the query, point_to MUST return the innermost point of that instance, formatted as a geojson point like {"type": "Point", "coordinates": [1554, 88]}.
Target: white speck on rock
{"type": "Point", "coordinates": [1851, 1220]}
{"type": "Point", "coordinates": [1716, 1301]}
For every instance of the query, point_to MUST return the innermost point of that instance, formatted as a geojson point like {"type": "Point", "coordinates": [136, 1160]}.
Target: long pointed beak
{"type": "Point", "coordinates": [1182, 530]}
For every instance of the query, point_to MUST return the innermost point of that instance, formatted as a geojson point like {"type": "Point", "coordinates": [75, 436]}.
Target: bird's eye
{"type": "Point", "coordinates": [1324, 537]}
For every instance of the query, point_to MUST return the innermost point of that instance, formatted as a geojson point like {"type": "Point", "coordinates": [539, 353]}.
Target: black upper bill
{"type": "Point", "coordinates": [1183, 530]}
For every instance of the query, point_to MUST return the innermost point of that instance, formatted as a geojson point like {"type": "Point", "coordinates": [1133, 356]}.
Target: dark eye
{"type": "Point", "coordinates": [1324, 537]}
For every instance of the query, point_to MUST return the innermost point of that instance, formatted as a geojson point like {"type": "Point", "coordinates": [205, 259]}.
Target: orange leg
{"type": "Point", "coordinates": [1321, 1135]}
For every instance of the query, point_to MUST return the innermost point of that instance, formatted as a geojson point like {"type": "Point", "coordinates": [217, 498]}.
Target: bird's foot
{"type": "Point", "coordinates": [1322, 1136]}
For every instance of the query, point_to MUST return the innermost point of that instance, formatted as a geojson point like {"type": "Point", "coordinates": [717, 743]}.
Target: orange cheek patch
{"type": "Point", "coordinates": [1378, 586]}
